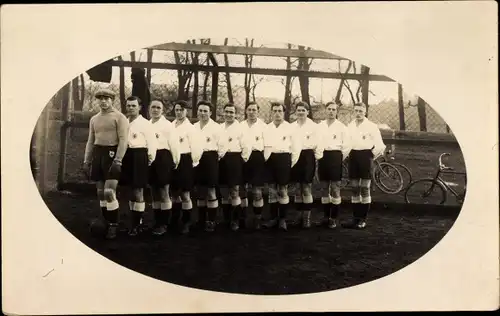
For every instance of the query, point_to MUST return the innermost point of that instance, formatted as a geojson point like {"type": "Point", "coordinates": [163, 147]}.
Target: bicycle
{"type": "Point", "coordinates": [404, 170]}
{"type": "Point", "coordinates": [382, 170]}
{"type": "Point", "coordinates": [435, 185]}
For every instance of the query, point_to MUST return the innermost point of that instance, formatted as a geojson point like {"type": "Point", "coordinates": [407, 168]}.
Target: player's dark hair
{"type": "Point", "coordinates": [182, 103]}
{"type": "Point", "coordinates": [330, 103]}
{"type": "Point", "coordinates": [229, 105]}
{"type": "Point", "coordinates": [304, 105]}
{"type": "Point", "coordinates": [275, 104]}
{"type": "Point", "coordinates": [252, 103]}
{"type": "Point", "coordinates": [360, 104]}
{"type": "Point", "coordinates": [157, 100]}
{"type": "Point", "coordinates": [134, 98]}
{"type": "Point", "coordinates": [206, 103]}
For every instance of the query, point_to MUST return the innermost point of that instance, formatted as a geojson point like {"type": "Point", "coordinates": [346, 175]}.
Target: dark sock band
{"type": "Point", "coordinates": [334, 211]}
{"type": "Point", "coordinates": [186, 216]}
{"type": "Point", "coordinates": [112, 216]}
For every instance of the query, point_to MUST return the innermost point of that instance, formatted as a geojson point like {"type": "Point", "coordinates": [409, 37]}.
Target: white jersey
{"type": "Point", "coordinates": [335, 137]}
{"type": "Point", "coordinates": [236, 139]}
{"type": "Point", "coordinates": [167, 138]}
{"type": "Point", "coordinates": [366, 136]}
{"type": "Point", "coordinates": [141, 135]}
{"type": "Point", "coordinates": [309, 136]}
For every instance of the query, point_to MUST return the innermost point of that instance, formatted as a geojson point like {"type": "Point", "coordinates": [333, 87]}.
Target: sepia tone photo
{"type": "Point", "coordinates": [240, 166]}
{"type": "Point", "coordinates": [284, 157]}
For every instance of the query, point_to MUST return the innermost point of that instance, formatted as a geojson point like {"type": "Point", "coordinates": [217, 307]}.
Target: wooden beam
{"type": "Point", "coordinates": [242, 50]}
{"type": "Point", "coordinates": [256, 71]}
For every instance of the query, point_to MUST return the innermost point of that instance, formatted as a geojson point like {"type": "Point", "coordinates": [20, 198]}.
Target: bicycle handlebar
{"type": "Point", "coordinates": [442, 166]}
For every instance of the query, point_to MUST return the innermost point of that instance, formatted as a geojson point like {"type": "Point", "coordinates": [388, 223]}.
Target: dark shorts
{"type": "Point", "coordinates": [102, 158]}
{"type": "Point", "coordinates": [330, 166]}
{"type": "Point", "coordinates": [135, 169]}
{"type": "Point", "coordinates": [303, 171]}
{"type": "Point", "coordinates": [160, 171]}
{"type": "Point", "coordinates": [231, 169]}
{"type": "Point", "coordinates": [207, 171]}
{"type": "Point", "coordinates": [360, 164]}
{"type": "Point", "coordinates": [254, 170]}
{"type": "Point", "coordinates": [278, 168]}
{"type": "Point", "coordinates": [182, 177]}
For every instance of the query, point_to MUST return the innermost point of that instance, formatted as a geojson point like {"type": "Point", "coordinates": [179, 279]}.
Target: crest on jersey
{"type": "Point", "coordinates": [257, 138]}
{"type": "Point", "coordinates": [208, 139]}
{"type": "Point", "coordinates": [134, 135]}
{"type": "Point", "coordinates": [307, 136]}
{"type": "Point", "coordinates": [230, 139]}
{"type": "Point", "coordinates": [157, 135]}
{"type": "Point", "coordinates": [181, 140]}
{"type": "Point", "coordinates": [111, 154]}
{"type": "Point", "coordinates": [284, 137]}
{"type": "Point", "coordinates": [364, 136]}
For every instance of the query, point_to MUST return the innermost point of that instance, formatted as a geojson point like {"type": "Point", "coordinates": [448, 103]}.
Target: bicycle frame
{"type": "Point", "coordinates": [445, 184]}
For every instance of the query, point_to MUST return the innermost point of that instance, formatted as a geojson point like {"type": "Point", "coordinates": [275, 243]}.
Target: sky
{"type": "Point", "coordinates": [320, 90]}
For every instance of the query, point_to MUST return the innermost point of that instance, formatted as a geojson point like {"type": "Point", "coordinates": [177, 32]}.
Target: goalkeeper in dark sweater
{"type": "Point", "coordinates": [106, 146]}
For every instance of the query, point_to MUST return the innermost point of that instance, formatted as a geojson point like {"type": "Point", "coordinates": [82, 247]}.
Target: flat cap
{"type": "Point", "coordinates": [105, 93]}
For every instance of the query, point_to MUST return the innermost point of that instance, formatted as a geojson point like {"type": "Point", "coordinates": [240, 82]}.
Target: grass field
{"type": "Point", "coordinates": [270, 261]}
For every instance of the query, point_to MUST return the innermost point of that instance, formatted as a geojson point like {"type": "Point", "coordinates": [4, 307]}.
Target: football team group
{"type": "Point", "coordinates": [222, 161]}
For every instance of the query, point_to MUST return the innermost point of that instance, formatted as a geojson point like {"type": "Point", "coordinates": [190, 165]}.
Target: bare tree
{"type": "Point", "coordinates": [196, 86]}
{"type": "Point", "coordinates": [228, 76]}
{"type": "Point", "coordinates": [182, 75]}
{"type": "Point", "coordinates": [206, 73]}
{"type": "Point", "coordinates": [248, 77]}
{"type": "Point", "coordinates": [304, 64]}
{"type": "Point", "coordinates": [341, 84]}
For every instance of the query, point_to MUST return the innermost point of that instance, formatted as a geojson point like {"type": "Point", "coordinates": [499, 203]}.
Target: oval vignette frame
{"type": "Point", "coordinates": [266, 262]}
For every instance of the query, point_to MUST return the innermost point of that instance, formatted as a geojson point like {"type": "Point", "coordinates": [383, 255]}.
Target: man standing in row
{"type": "Point", "coordinates": [283, 150]}
{"type": "Point", "coordinates": [106, 146]}
{"type": "Point", "coordinates": [231, 165]}
{"type": "Point", "coordinates": [140, 154]}
{"type": "Point", "coordinates": [254, 170]}
{"type": "Point", "coordinates": [336, 143]}
{"type": "Point", "coordinates": [167, 159]}
{"type": "Point", "coordinates": [367, 145]}
{"type": "Point", "coordinates": [302, 173]}
{"type": "Point", "coordinates": [214, 147]}
{"type": "Point", "coordinates": [183, 176]}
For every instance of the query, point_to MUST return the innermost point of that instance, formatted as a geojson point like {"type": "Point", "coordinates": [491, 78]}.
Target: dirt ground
{"type": "Point", "coordinates": [267, 262]}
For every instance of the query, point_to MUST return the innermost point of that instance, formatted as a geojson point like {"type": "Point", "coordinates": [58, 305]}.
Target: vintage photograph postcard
{"type": "Point", "coordinates": [249, 157]}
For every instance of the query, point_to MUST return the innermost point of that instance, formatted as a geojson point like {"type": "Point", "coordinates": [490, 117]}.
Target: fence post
{"type": "Point", "coordinates": [213, 99]}
{"type": "Point", "coordinates": [122, 85]}
{"type": "Point", "coordinates": [402, 123]}
{"type": "Point", "coordinates": [39, 142]}
{"type": "Point", "coordinates": [422, 117]}
{"type": "Point", "coordinates": [365, 85]}
{"type": "Point", "coordinates": [63, 148]}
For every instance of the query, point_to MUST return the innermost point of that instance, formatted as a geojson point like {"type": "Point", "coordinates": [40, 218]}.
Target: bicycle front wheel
{"type": "Point", "coordinates": [388, 178]}
{"type": "Point", "coordinates": [405, 172]}
{"type": "Point", "coordinates": [425, 191]}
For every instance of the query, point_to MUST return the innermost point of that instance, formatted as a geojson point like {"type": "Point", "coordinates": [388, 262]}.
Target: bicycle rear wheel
{"type": "Point", "coordinates": [388, 178]}
{"type": "Point", "coordinates": [425, 191]}
{"type": "Point", "coordinates": [405, 172]}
